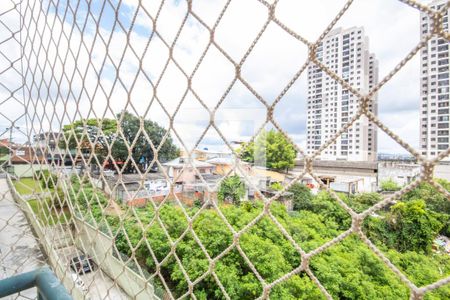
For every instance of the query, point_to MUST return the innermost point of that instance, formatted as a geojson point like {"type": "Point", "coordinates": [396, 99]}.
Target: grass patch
{"type": "Point", "coordinates": [27, 186]}
{"type": "Point", "coordinates": [48, 214]}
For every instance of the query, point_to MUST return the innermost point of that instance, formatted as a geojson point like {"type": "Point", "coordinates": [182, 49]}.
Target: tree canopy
{"type": "Point", "coordinates": [89, 135]}
{"type": "Point", "coordinates": [270, 149]}
{"type": "Point", "coordinates": [408, 226]}
{"type": "Point", "coordinates": [97, 135]}
{"type": "Point", "coordinates": [142, 152]}
{"type": "Point", "coordinates": [231, 189]}
{"type": "Point", "coordinates": [301, 196]}
{"type": "Point", "coordinates": [348, 269]}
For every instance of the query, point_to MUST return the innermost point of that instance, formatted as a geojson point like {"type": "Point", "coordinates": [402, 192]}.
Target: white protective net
{"type": "Point", "coordinates": [107, 174]}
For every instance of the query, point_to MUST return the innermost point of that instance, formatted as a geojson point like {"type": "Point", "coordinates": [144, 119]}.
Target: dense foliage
{"type": "Point", "coordinates": [231, 190]}
{"type": "Point", "coordinates": [270, 149]}
{"type": "Point", "coordinates": [4, 151]}
{"type": "Point", "coordinates": [97, 135]}
{"type": "Point", "coordinates": [348, 270]}
{"type": "Point", "coordinates": [408, 226]}
{"type": "Point", "coordinates": [89, 135]}
{"type": "Point", "coordinates": [389, 185]}
{"type": "Point", "coordinates": [46, 179]}
{"type": "Point", "coordinates": [301, 197]}
{"type": "Point", "coordinates": [142, 152]}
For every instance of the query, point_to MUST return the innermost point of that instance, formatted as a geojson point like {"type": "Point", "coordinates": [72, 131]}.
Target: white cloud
{"type": "Point", "coordinates": [392, 27]}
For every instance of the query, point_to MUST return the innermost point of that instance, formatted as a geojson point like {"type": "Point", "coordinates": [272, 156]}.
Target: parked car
{"type": "Point", "coordinates": [82, 264]}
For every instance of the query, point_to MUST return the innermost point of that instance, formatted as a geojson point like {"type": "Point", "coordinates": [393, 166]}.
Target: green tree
{"type": "Point", "coordinates": [4, 151]}
{"type": "Point", "coordinates": [416, 227]}
{"type": "Point", "coordinates": [89, 136]}
{"type": "Point", "coordinates": [142, 152]}
{"type": "Point", "coordinates": [97, 136]}
{"type": "Point", "coordinates": [276, 186]}
{"type": "Point", "coordinates": [409, 226]}
{"type": "Point", "coordinates": [324, 205]}
{"type": "Point", "coordinates": [435, 200]}
{"type": "Point", "coordinates": [362, 201]}
{"type": "Point", "coordinates": [247, 152]}
{"type": "Point", "coordinates": [270, 148]}
{"type": "Point", "coordinates": [348, 269]}
{"type": "Point", "coordinates": [423, 270]}
{"type": "Point", "coordinates": [389, 185]}
{"type": "Point", "coordinates": [231, 189]}
{"type": "Point", "coordinates": [301, 197]}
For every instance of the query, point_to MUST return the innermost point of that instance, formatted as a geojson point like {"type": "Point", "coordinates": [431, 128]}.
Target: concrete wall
{"type": "Point", "coordinates": [400, 172]}
{"type": "Point", "coordinates": [188, 175]}
{"type": "Point", "coordinates": [27, 170]}
{"type": "Point", "coordinates": [99, 246]}
{"type": "Point", "coordinates": [362, 174]}
{"type": "Point", "coordinates": [442, 170]}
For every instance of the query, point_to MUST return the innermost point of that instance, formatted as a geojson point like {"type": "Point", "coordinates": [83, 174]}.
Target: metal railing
{"type": "Point", "coordinates": [48, 285]}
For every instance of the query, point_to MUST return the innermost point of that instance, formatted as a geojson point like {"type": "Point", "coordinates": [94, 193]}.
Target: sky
{"type": "Point", "coordinates": [67, 66]}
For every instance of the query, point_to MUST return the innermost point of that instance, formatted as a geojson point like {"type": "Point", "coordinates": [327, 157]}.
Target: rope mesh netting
{"type": "Point", "coordinates": [80, 82]}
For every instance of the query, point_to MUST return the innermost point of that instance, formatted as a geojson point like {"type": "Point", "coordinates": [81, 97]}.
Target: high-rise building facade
{"type": "Point", "coordinates": [434, 88]}
{"type": "Point", "coordinates": [331, 106]}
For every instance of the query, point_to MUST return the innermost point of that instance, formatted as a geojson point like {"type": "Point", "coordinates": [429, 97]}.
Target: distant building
{"type": "Point", "coordinates": [46, 144]}
{"type": "Point", "coordinates": [206, 154]}
{"type": "Point", "coordinates": [225, 166]}
{"type": "Point", "coordinates": [23, 155]}
{"type": "Point", "coordinates": [46, 140]}
{"type": "Point", "coordinates": [5, 143]}
{"type": "Point", "coordinates": [128, 187]}
{"type": "Point", "coordinates": [330, 106]}
{"type": "Point", "coordinates": [343, 176]}
{"type": "Point", "coordinates": [401, 172]}
{"type": "Point", "coordinates": [22, 160]}
{"type": "Point", "coordinates": [181, 170]}
{"type": "Point", "coordinates": [442, 170]}
{"type": "Point", "coordinates": [434, 87]}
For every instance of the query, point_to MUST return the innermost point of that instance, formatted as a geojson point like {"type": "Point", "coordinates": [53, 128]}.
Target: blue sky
{"type": "Point", "coordinates": [392, 27]}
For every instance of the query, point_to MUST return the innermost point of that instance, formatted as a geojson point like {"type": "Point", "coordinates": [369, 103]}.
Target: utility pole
{"type": "Point", "coordinates": [10, 145]}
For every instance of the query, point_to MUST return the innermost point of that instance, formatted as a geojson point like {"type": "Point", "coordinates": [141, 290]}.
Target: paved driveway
{"type": "Point", "coordinates": [19, 250]}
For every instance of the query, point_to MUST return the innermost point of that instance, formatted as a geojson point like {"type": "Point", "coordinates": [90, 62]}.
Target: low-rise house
{"type": "Point", "coordinates": [401, 172]}
{"type": "Point", "coordinates": [129, 187]}
{"type": "Point", "coordinates": [284, 198]}
{"type": "Point", "coordinates": [207, 154]}
{"type": "Point", "coordinates": [182, 170]}
{"type": "Point", "coordinates": [229, 166]}
{"type": "Point", "coordinates": [23, 160]}
{"type": "Point", "coordinates": [264, 172]}
{"type": "Point", "coordinates": [358, 175]}
{"type": "Point", "coordinates": [46, 143]}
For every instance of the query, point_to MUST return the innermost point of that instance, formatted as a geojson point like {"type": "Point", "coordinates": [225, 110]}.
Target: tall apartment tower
{"type": "Point", "coordinates": [434, 88]}
{"type": "Point", "coordinates": [331, 106]}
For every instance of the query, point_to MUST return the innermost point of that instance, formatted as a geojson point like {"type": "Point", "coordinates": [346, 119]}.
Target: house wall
{"type": "Point", "coordinates": [442, 170]}
{"type": "Point", "coordinates": [188, 174]}
{"type": "Point", "coordinates": [27, 170]}
{"type": "Point", "coordinates": [400, 172]}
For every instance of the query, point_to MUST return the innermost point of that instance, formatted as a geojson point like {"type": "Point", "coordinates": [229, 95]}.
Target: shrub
{"type": "Point", "coordinates": [47, 179]}
{"type": "Point", "coordinates": [301, 196]}
{"type": "Point", "coordinates": [389, 186]}
{"type": "Point", "coordinates": [231, 189]}
{"type": "Point", "coordinates": [276, 186]}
